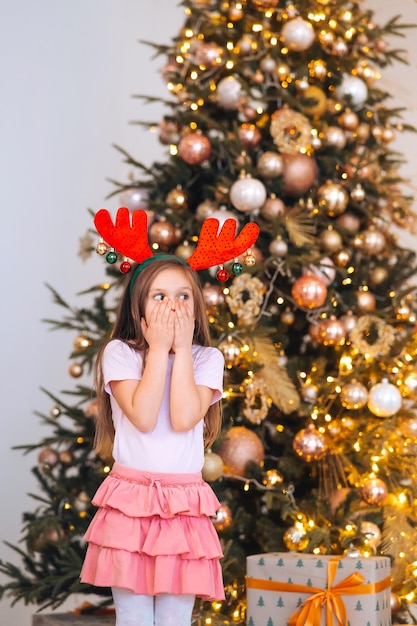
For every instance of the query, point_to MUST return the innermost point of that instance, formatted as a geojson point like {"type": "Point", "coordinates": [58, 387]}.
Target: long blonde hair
{"type": "Point", "coordinates": [127, 327]}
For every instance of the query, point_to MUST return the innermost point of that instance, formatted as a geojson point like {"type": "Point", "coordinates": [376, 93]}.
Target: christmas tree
{"type": "Point", "coordinates": [274, 115]}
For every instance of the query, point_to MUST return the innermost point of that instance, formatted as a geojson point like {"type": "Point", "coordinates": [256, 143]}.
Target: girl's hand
{"type": "Point", "coordinates": [158, 329]}
{"type": "Point", "coordinates": [183, 326]}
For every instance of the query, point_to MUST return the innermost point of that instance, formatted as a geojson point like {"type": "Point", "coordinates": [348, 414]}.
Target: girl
{"type": "Point", "coordinates": [158, 384]}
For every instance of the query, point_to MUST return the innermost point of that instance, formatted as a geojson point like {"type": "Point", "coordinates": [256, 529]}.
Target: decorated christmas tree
{"type": "Point", "coordinates": [274, 115]}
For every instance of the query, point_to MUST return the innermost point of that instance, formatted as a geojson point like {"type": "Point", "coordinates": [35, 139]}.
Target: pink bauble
{"type": "Point", "coordinates": [194, 148]}
{"type": "Point", "coordinates": [300, 172]}
{"type": "Point", "coordinates": [310, 444]}
{"type": "Point", "coordinates": [240, 447]}
{"type": "Point", "coordinates": [271, 208]}
{"type": "Point", "coordinates": [249, 135]}
{"type": "Point", "coordinates": [374, 490]}
{"type": "Point", "coordinates": [208, 54]}
{"type": "Point", "coordinates": [309, 292]}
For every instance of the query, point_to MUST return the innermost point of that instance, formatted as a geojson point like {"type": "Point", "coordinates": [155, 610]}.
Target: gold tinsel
{"type": "Point", "coordinates": [280, 386]}
{"type": "Point", "coordinates": [299, 226]}
{"type": "Point", "coordinates": [368, 326]}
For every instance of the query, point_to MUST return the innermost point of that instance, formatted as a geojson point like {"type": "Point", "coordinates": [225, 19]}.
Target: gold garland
{"type": "Point", "coordinates": [385, 336]}
{"type": "Point", "coordinates": [290, 131]}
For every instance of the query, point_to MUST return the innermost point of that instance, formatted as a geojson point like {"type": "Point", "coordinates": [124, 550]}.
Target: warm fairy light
{"type": "Point", "coordinates": [106, 469]}
{"type": "Point", "coordinates": [173, 149]}
{"type": "Point", "coordinates": [402, 498]}
{"type": "Point", "coordinates": [375, 467]}
{"type": "Point", "coordinates": [67, 506]}
{"type": "Point", "coordinates": [179, 58]}
{"type": "Point", "coordinates": [246, 487]}
{"type": "Point", "coordinates": [410, 597]}
{"type": "Point", "coordinates": [392, 294]}
{"type": "Point", "coordinates": [245, 348]}
{"type": "Point", "coordinates": [350, 33]}
{"type": "Point", "coordinates": [316, 550]}
{"type": "Point", "coordinates": [357, 446]}
{"type": "Point", "coordinates": [333, 23]}
{"type": "Point", "coordinates": [273, 41]}
{"type": "Point", "coordinates": [401, 554]}
{"type": "Point", "coordinates": [188, 33]}
{"type": "Point", "coordinates": [330, 379]}
{"type": "Point", "coordinates": [280, 300]}
{"type": "Point", "coordinates": [80, 440]}
{"type": "Point", "coordinates": [314, 415]}
{"type": "Point", "coordinates": [257, 28]}
{"type": "Point", "coordinates": [230, 65]}
{"type": "Point", "coordinates": [193, 126]}
{"type": "Point", "coordinates": [230, 45]}
{"type": "Point", "coordinates": [303, 374]}
{"type": "Point", "coordinates": [194, 106]}
{"type": "Point", "coordinates": [230, 325]}
{"type": "Point", "coordinates": [347, 281]}
{"type": "Point", "coordinates": [351, 270]}
{"type": "Point", "coordinates": [327, 417]}
{"type": "Point", "coordinates": [279, 428]}
{"type": "Point", "coordinates": [349, 528]}
{"type": "Point", "coordinates": [316, 17]}
{"type": "Point", "coordinates": [284, 51]}
{"type": "Point", "coordinates": [194, 75]}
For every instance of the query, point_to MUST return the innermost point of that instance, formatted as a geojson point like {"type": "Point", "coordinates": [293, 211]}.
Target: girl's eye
{"type": "Point", "coordinates": [159, 296]}
{"type": "Point", "coordinates": [184, 296]}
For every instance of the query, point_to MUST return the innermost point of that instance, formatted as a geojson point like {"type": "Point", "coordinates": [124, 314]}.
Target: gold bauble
{"type": "Point", "coordinates": [75, 370]}
{"type": "Point", "coordinates": [378, 275]}
{"type": "Point", "coordinates": [213, 466]}
{"type": "Point", "coordinates": [48, 457]}
{"type": "Point", "coordinates": [342, 258]}
{"type": "Point", "coordinates": [295, 538]}
{"type": "Point", "coordinates": [231, 351]}
{"type": "Point", "coordinates": [177, 199]}
{"type": "Point", "coordinates": [395, 602]}
{"type": "Point", "coordinates": [240, 447]}
{"type": "Point", "coordinates": [349, 120]}
{"type": "Point", "coordinates": [318, 104]}
{"type": "Point", "coordinates": [331, 332]}
{"type": "Point", "coordinates": [81, 343]}
{"type": "Point", "coordinates": [184, 250]}
{"type": "Point", "coordinates": [374, 241]}
{"type": "Point", "coordinates": [163, 233]}
{"type": "Point", "coordinates": [371, 532]}
{"type": "Point", "coordinates": [66, 457]}
{"type": "Point", "coordinates": [309, 292]}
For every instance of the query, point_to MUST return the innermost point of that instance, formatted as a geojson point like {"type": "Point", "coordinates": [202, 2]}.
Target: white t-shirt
{"type": "Point", "coordinates": [161, 449]}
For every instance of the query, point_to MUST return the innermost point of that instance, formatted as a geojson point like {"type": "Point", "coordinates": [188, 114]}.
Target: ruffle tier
{"type": "Point", "coordinates": [153, 534]}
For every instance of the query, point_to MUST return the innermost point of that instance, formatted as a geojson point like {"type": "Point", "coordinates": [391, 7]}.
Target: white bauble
{"type": "Point", "coordinates": [297, 34]}
{"type": "Point", "coordinates": [229, 93]}
{"type": "Point", "coordinates": [353, 90]}
{"type": "Point", "coordinates": [247, 194]}
{"type": "Point", "coordinates": [384, 399]}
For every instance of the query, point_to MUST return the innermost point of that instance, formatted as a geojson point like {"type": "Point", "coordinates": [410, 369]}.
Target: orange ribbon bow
{"type": "Point", "coordinates": [309, 613]}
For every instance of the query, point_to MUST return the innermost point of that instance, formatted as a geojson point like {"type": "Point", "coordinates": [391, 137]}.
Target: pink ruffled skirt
{"type": "Point", "coordinates": [153, 534]}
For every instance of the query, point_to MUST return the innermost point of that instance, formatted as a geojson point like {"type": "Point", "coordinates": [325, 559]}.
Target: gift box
{"type": "Point", "coordinates": [293, 589]}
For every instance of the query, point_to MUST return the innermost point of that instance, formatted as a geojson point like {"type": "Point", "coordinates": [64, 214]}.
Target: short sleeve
{"type": "Point", "coordinates": [209, 370]}
{"type": "Point", "coordinates": [120, 362]}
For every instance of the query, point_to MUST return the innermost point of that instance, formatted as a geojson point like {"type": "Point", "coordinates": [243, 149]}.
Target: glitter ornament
{"type": "Point", "coordinates": [290, 130]}
{"type": "Point", "coordinates": [331, 332]}
{"type": "Point", "coordinates": [208, 55]}
{"type": "Point", "coordinates": [249, 259]}
{"type": "Point", "coordinates": [177, 199]}
{"type": "Point", "coordinates": [374, 490]}
{"type": "Point", "coordinates": [309, 292]}
{"type": "Point", "coordinates": [231, 351]}
{"type": "Point", "coordinates": [310, 444]}
{"type": "Point", "coordinates": [333, 198]}
{"type": "Point", "coordinates": [384, 399]}
{"type": "Point", "coordinates": [297, 34]}
{"type": "Point", "coordinates": [213, 295]}
{"type": "Point", "coordinates": [354, 395]}
{"type": "Point", "coordinates": [194, 148]}
{"type": "Point", "coordinates": [213, 466]}
{"type": "Point", "coordinates": [111, 257]}
{"type": "Point", "coordinates": [240, 447]}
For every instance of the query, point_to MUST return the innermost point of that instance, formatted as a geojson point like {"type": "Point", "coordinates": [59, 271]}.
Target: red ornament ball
{"type": "Point", "coordinates": [125, 267]}
{"type": "Point", "coordinates": [222, 275]}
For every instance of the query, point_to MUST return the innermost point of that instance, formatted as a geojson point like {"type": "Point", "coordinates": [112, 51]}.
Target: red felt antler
{"type": "Point", "coordinates": [215, 248]}
{"type": "Point", "coordinates": [129, 240]}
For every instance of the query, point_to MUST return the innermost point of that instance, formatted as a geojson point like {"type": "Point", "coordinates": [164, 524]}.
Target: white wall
{"type": "Point", "coordinates": [67, 74]}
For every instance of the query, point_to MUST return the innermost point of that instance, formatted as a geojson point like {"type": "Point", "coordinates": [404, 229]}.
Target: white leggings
{"type": "Point", "coordinates": [140, 610]}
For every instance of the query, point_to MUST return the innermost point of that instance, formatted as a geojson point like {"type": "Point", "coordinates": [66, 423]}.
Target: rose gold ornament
{"type": "Point", "coordinates": [272, 208]}
{"type": "Point", "coordinates": [300, 172]}
{"type": "Point", "coordinates": [184, 250]}
{"type": "Point", "coordinates": [48, 457]}
{"type": "Point", "coordinates": [194, 148]}
{"type": "Point", "coordinates": [168, 132]}
{"type": "Point", "coordinates": [240, 447]}
{"type": "Point", "coordinates": [278, 247]}
{"type": "Point", "coordinates": [371, 532]}
{"type": "Point", "coordinates": [309, 292]}
{"type": "Point", "coordinates": [378, 275]}
{"type": "Point", "coordinates": [91, 409]}
{"type": "Point", "coordinates": [354, 395]}
{"type": "Point", "coordinates": [358, 193]}
{"type": "Point", "coordinates": [163, 233]}
{"type": "Point", "coordinates": [331, 240]}
{"type": "Point", "coordinates": [349, 120]}
{"type": "Point", "coordinates": [270, 165]}
{"type": "Point", "coordinates": [349, 321]}
{"type": "Point", "coordinates": [374, 490]}
{"type": "Point", "coordinates": [223, 519]}
{"type": "Point", "coordinates": [213, 295]}
{"type": "Point", "coordinates": [310, 444]}
{"type": "Point", "coordinates": [135, 198]}
{"type": "Point", "coordinates": [66, 457]}
{"type": "Point", "coordinates": [208, 54]}
{"type": "Point", "coordinates": [229, 93]}
{"type": "Point", "coordinates": [334, 136]}
{"type": "Point", "coordinates": [366, 300]}
{"type": "Point", "coordinates": [101, 248]}
{"type": "Point", "coordinates": [287, 317]}
{"type": "Point", "coordinates": [249, 135]}
{"type": "Point", "coordinates": [349, 221]}
{"type": "Point", "coordinates": [268, 64]}
{"type": "Point", "coordinates": [331, 332]}
{"type": "Point", "coordinates": [333, 198]}
{"type": "Point", "coordinates": [374, 241]}
{"type": "Point", "coordinates": [213, 467]}
{"type": "Point", "coordinates": [205, 209]}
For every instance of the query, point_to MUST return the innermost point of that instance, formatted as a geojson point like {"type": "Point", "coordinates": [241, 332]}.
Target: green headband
{"type": "Point", "coordinates": [150, 260]}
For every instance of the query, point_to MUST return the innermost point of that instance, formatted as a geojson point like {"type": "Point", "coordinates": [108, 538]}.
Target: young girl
{"type": "Point", "coordinates": [159, 384]}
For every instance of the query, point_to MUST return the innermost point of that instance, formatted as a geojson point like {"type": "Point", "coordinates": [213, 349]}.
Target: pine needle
{"type": "Point", "coordinates": [280, 386]}
{"type": "Point", "coordinates": [300, 227]}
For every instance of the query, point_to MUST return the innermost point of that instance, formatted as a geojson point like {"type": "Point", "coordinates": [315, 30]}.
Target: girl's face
{"type": "Point", "coordinates": [171, 284]}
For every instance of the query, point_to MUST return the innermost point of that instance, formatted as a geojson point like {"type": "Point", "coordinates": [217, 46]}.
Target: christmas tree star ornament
{"type": "Point", "coordinates": [216, 245]}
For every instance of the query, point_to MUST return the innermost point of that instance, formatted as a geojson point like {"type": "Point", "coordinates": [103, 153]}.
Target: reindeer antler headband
{"type": "Point", "coordinates": [129, 236]}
